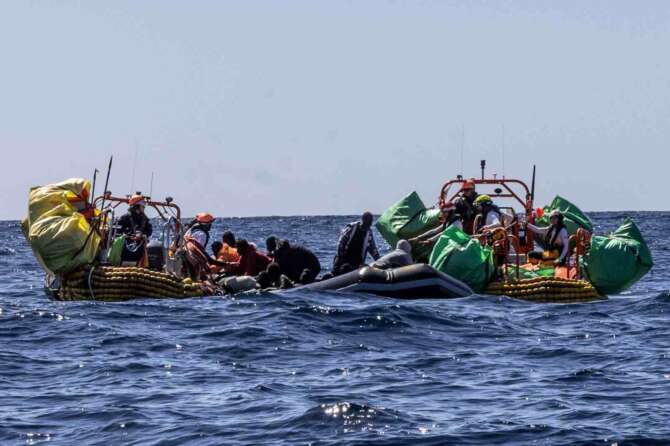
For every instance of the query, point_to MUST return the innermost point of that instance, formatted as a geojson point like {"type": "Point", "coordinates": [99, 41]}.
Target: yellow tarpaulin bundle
{"type": "Point", "coordinates": [56, 231]}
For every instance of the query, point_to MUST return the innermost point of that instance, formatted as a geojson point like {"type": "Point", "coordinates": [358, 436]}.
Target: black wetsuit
{"type": "Point", "coordinates": [355, 243]}
{"type": "Point", "coordinates": [294, 259]}
{"type": "Point", "coordinates": [465, 208]}
{"type": "Point", "coordinates": [129, 225]}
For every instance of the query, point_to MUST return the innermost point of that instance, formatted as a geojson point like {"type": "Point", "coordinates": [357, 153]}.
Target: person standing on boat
{"type": "Point", "coordinates": [489, 216]}
{"type": "Point", "coordinates": [195, 245]}
{"type": "Point", "coordinates": [355, 243]}
{"type": "Point", "coordinates": [136, 228]}
{"type": "Point", "coordinates": [465, 206]}
{"type": "Point", "coordinates": [556, 238]}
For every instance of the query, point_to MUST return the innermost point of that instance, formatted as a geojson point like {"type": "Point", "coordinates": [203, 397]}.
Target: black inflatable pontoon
{"type": "Point", "coordinates": [408, 282]}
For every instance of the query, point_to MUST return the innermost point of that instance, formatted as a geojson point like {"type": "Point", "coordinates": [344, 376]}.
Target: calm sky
{"type": "Point", "coordinates": [315, 107]}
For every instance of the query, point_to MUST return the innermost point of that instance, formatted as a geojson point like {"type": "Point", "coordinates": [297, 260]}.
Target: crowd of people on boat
{"type": "Point", "coordinates": [237, 264]}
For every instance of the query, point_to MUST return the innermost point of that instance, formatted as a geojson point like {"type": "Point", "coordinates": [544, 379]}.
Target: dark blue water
{"type": "Point", "coordinates": [328, 368]}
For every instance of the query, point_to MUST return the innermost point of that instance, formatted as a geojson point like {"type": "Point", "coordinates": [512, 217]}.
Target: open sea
{"type": "Point", "coordinates": [331, 368]}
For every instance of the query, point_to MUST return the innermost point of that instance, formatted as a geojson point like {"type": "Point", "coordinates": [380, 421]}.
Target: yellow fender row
{"type": "Point", "coordinates": [123, 283]}
{"type": "Point", "coordinates": [546, 289]}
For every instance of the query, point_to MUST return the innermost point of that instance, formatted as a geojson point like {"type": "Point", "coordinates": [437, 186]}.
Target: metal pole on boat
{"type": "Point", "coordinates": [95, 177]}
{"type": "Point", "coordinates": [104, 193]}
{"type": "Point", "coordinates": [502, 143]}
{"type": "Point", "coordinates": [462, 145]}
{"type": "Point", "coordinates": [532, 186]}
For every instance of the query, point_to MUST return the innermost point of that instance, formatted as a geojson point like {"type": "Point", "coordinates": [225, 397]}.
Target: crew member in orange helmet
{"type": "Point", "coordinates": [196, 240]}
{"type": "Point", "coordinates": [135, 225]}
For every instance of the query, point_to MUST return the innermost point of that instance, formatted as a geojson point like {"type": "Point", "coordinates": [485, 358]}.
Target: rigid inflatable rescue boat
{"type": "Point", "coordinates": [453, 238]}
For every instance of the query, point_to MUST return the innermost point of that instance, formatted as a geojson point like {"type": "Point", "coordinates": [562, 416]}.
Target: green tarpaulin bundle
{"type": "Point", "coordinates": [615, 262]}
{"type": "Point", "coordinates": [406, 219]}
{"type": "Point", "coordinates": [463, 258]}
{"type": "Point", "coordinates": [60, 237]}
{"type": "Point", "coordinates": [574, 217]}
{"type": "Point", "coordinates": [526, 274]}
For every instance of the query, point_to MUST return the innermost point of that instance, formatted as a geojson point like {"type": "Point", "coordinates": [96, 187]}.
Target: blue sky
{"type": "Point", "coordinates": [264, 108]}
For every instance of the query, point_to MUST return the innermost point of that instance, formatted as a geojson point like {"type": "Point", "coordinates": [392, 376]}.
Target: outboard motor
{"type": "Point", "coordinates": [155, 255]}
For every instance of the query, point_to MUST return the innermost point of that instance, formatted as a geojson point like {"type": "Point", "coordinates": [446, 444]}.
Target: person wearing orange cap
{"type": "Point", "coordinates": [196, 240]}
{"type": "Point", "coordinates": [465, 205]}
{"type": "Point", "coordinates": [136, 227]}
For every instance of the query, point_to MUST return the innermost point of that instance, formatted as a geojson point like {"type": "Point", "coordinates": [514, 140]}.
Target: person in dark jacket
{"type": "Point", "coordinates": [271, 246]}
{"type": "Point", "coordinates": [293, 260]}
{"type": "Point", "coordinates": [136, 227]}
{"type": "Point", "coordinates": [355, 243]}
{"type": "Point", "coordinates": [465, 206]}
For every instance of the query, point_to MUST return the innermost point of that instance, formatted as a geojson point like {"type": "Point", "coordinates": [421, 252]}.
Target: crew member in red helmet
{"type": "Point", "coordinates": [465, 206]}
{"type": "Point", "coordinates": [196, 240]}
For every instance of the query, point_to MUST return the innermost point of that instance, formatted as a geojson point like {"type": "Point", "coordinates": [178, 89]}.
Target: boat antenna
{"type": "Point", "coordinates": [482, 164]}
{"type": "Point", "coordinates": [95, 177]}
{"type": "Point", "coordinates": [104, 194]}
{"type": "Point", "coordinates": [532, 186]}
{"type": "Point", "coordinates": [462, 145]}
{"type": "Point", "coordinates": [502, 143]}
{"type": "Point", "coordinates": [132, 178]}
{"type": "Point", "coordinates": [151, 185]}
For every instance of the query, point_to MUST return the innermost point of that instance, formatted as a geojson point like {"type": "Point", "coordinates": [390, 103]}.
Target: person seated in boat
{"type": "Point", "coordinates": [488, 217]}
{"type": "Point", "coordinates": [400, 256]}
{"type": "Point", "coordinates": [136, 227]}
{"type": "Point", "coordinates": [533, 263]}
{"type": "Point", "coordinates": [534, 257]}
{"type": "Point", "coordinates": [263, 281]}
{"type": "Point", "coordinates": [228, 251]}
{"type": "Point", "coordinates": [556, 238]}
{"type": "Point", "coordinates": [293, 260]}
{"type": "Point", "coordinates": [465, 206]}
{"type": "Point", "coordinates": [355, 243]}
{"type": "Point", "coordinates": [271, 246]}
{"type": "Point", "coordinates": [216, 247]}
{"type": "Point", "coordinates": [251, 261]}
{"type": "Point", "coordinates": [307, 277]}
{"type": "Point", "coordinates": [277, 279]}
{"type": "Point", "coordinates": [449, 218]}
{"type": "Point", "coordinates": [196, 240]}
{"type": "Point", "coordinates": [224, 251]}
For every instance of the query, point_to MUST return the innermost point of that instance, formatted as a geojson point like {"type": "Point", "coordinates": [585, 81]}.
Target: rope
{"type": "Point", "coordinates": [90, 286]}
